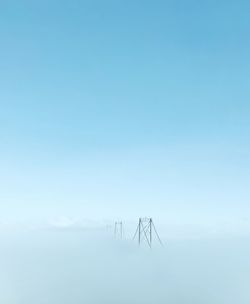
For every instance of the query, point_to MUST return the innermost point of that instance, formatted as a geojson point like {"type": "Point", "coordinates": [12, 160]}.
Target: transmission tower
{"type": "Point", "coordinates": [145, 232]}
{"type": "Point", "coordinates": [118, 231]}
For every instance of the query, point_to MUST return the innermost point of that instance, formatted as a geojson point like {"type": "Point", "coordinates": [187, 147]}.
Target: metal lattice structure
{"type": "Point", "coordinates": [146, 231]}
{"type": "Point", "coordinates": [118, 231]}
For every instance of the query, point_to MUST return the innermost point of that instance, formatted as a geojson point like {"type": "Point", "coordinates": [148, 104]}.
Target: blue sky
{"type": "Point", "coordinates": [125, 108]}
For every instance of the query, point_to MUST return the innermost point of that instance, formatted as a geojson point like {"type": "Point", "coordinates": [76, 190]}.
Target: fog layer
{"type": "Point", "coordinates": [73, 267]}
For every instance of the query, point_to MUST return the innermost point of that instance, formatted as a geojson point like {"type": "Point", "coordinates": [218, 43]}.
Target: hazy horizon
{"type": "Point", "coordinates": [112, 110]}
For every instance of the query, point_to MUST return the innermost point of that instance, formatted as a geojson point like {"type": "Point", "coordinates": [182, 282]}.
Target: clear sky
{"type": "Point", "coordinates": [113, 108]}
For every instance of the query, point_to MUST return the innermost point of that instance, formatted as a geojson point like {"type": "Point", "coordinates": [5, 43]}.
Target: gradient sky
{"type": "Point", "coordinates": [114, 108]}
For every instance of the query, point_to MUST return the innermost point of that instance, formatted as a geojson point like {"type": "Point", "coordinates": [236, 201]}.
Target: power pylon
{"type": "Point", "coordinates": [118, 231]}
{"type": "Point", "coordinates": [145, 232]}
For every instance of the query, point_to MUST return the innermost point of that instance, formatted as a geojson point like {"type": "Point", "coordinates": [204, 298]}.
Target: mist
{"type": "Point", "coordinates": [82, 266]}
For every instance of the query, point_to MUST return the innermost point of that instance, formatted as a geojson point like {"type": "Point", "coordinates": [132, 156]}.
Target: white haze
{"type": "Point", "coordinates": [67, 266]}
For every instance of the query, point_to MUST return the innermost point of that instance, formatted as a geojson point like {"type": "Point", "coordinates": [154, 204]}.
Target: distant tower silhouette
{"type": "Point", "coordinates": [109, 227]}
{"type": "Point", "coordinates": [118, 232]}
{"type": "Point", "coordinates": [145, 232]}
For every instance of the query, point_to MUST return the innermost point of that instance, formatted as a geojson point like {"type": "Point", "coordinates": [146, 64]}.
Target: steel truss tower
{"type": "Point", "coordinates": [118, 231]}
{"type": "Point", "coordinates": [146, 231]}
